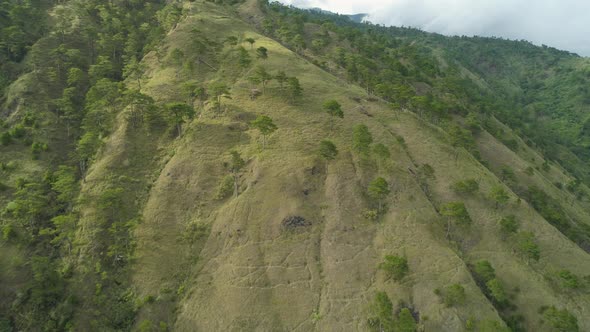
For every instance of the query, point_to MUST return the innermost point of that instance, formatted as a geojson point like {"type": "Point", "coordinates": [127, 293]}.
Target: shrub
{"type": "Point", "coordinates": [456, 211]}
{"type": "Point", "coordinates": [5, 138]}
{"type": "Point", "coordinates": [507, 174]}
{"type": "Point", "coordinates": [508, 225]}
{"type": "Point", "coordinates": [496, 290]}
{"type": "Point", "coordinates": [379, 189]}
{"type": "Point", "coordinates": [468, 186]}
{"type": "Point", "coordinates": [405, 321]}
{"type": "Point", "coordinates": [37, 148]}
{"type": "Point", "coordinates": [361, 138]}
{"type": "Point", "coordinates": [485, 270]}
{"type": "Point", "coordinates": [498, 195]}
{"type": "Point", "coordinates": [560, 320]}
{"type": "Point", "coordinates": [18, 131]}
{"type": "Point", "coordinates": [226, 188]}
{"type": "Point", "coordinates": [371, 214]}
{"type": "Point", "coordinates": [328, 150]}
{"type": "Point", "coordinates": [381, 151]}
{"type": "Point", "coordinates": [395, 267]}
{"type": "Point", "coordinates": [568, 279]}
{"type": "Point", "coordinates": [382, 310]}
{"type": "Point", "coordinates": [453, 295]}
{"type": "Point", "coordinates": [426, 171]}
{"type": "Point", "coordinates": [527, 245]}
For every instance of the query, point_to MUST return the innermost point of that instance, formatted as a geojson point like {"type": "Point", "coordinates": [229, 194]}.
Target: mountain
{"type": "Point", "coordinates": [358, 18]}
{"type": "Point", "coordinates": [240, 165]}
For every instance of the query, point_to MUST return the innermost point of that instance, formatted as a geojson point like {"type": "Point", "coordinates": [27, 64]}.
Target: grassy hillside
{"type": "Point", "coordinates": [178, 212]}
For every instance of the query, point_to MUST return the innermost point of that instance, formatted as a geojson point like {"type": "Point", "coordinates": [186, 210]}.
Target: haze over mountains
{"type": "Point", "coordinates": [561, 24]}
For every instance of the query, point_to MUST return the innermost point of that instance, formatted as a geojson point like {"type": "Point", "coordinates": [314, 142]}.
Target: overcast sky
{"type": "Point", "coordinates": [564, 24]}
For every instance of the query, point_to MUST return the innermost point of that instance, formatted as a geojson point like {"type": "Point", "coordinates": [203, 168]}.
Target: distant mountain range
{"type": "Point", "coordinates": [358, 18]}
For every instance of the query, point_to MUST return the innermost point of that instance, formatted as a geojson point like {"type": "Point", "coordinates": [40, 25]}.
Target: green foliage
{"type": "Point", "coordinates": [176, 57]}
{"type": "Point", "coordinates": [18, 131]}
{"type": "Point", "coordinates": [262, 53]}
{"type": "Point", "coordinates": [180, 112]}
{"type": "Point", "coordinates": [395, 267]}
{"type": "Point", "coordinates": [225, 188]}
{"type": "Point", "coordinates": [333, 108]}
{"type": "Point", "coordinates": [5, 138]}
{"type": "Point", "coordinates": [484, 271]}
{"type": "Point", "coordinates": [265, 125]}
{"type": "Point", "coordinates": [498, 195]}
{"type": "Point", "coordinates": [453, 295]}
{"type": "Point", "coordinates": [560, 320]}
{"type": "Point", "coordinates": [235, 166]}
{"type": "Point", "coordinates": [294, 89]}
{"type": "Point", "coordinates": [381, 151]}
{"type": "Point", "coordinates": [261, 76]}
{"type": "Point", "coordinates": [378, 190]}
{"type": "Point", "coordinates": [469, 186]}
{"type": "Point", "coordinates": [87, 147]}
{"type": "Point", "coordinates": [37, 148]}
{"type": "Point", "coordinates": [527, 245]}
{"type": "Point", "coordinates": [237, 163]}
{"type": "Point", "coordinates": [218, 91]}
{"type": "Point", "coordinates": [75, 69]}
{"type": "Point", "coordinates": [425, 171]}
{"type": "Point", "coordinates": [569, 280]}
{"type": "Point", "coordinates": [361, 138]}
{"type": "Point", "coordinates": [555, 214]}
{"type": "Point", "coordinates": [508, 225]}
{"type": "Point", "coordinates": [244, 59]}
{"type": "Point", "coordinates": [232, 40]}
{"type": "Point", "coordinates": [406, 321]}
{"type": "Point", "coordinates": [250, 41]}
{"type": "Point", "coordinates": [457, 212]}
{"type": "Point", "coordinates": [472, 123]}
{"type": "Point", "coordinates": [496, 290]}
{"type": "Point", "coordinates": [507, 174]}
{"type": "Point", "coordinates": [328, 150]}
{"type": "Point", "coordinates": [371, 214]}
{"type": "Point", "coordinates": [65, 183]}
{"type": "Point", "coordinates": [461, 138]}
{"type": "Point", "coordinates": [281, 78]}
{"type": "Point", "coordinates": [382, 311]}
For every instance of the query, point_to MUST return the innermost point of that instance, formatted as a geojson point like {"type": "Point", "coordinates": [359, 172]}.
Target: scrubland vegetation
{"type": "Point", "coordinates": [223, 165]}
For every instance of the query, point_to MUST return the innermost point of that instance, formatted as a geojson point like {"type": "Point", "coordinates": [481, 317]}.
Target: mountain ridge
{"type": "Point", "coordinates": [296, 241]}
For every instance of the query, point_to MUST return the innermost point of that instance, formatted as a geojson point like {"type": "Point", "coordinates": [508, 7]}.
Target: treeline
{"type": "Point", "coordinates": [22, 23]}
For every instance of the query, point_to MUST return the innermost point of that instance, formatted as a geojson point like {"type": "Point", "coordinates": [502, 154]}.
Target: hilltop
{"type": "Point", "coordinates": [239, 165]}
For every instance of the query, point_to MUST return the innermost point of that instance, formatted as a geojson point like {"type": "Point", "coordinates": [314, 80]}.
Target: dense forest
{"type": "Point", "coordinates": [130, 129]}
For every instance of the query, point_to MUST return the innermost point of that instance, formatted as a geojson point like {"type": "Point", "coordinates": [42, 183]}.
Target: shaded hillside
{"type": "Point", "coordinates": [244, 166]}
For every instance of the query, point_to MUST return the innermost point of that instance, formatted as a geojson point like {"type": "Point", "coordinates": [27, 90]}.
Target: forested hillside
{"type": "Point", "coordinates": [240, 165]}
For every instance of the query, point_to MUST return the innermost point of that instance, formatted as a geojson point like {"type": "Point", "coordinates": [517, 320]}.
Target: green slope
{"type": "Point", "coordinates": [156, 243]}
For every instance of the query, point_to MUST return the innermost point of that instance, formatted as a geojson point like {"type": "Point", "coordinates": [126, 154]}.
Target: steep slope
{"type": "Point", "coordinates": [251, 262]}
{"type": "Point", "coordinates": [235, 264]}
{"type": "Point", "coordinates": [172, 233]}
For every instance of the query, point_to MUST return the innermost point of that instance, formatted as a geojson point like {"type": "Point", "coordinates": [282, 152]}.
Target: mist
{"type": "Point", "coordinates": [563, 24]}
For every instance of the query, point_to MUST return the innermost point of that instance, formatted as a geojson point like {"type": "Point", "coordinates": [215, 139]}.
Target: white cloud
{"type": "Point", "coordinates": [563, 24]}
